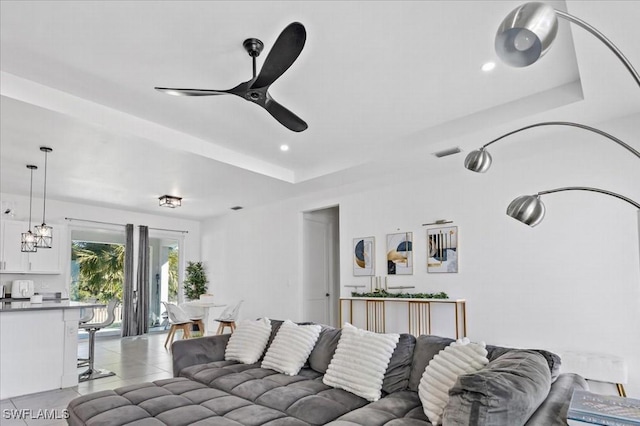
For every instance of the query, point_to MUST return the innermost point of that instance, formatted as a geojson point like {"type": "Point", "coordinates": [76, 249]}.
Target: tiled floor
{"type": "Point", "coordinates": [133, 359]}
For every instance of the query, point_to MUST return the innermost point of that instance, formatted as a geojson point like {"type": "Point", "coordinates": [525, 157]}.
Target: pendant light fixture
{"type": "Point", "coordinates": [44, 233]}
{"type": "Point", "coordinates": [29, 238]}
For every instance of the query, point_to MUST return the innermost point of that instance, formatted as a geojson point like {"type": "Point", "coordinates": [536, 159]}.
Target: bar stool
{"type": "Point", "coordinates": [228, 318]}
{"type": "Point", "coordinates": [92, 373]}
{"type": "Point", "coordinates": [86, 315]}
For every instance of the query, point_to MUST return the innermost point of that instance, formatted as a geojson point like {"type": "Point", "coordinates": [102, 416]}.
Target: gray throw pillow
{"type": "Point", "coordinates": [397, 375]}
{"type": "Point", "coordinates": [505, 393]}
{"type": "Point", "coordinates": [553, 360]}
{"type": "Point", "coordinates": [322, 352]}
{"type": "Point", "coordinates": [275, 326]}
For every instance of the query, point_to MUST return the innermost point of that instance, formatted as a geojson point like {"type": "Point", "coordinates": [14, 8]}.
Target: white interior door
{"type": "Point", "coordinates": [321, 277]}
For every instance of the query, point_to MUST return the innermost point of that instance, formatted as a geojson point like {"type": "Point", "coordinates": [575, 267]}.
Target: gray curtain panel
{"type": "Point", "coordinates": [142, 301]}
{"type": "Point", "coordinates": [128, 293]}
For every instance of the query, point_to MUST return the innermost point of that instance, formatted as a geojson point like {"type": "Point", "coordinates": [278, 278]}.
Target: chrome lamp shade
{"type": "Point", "coordinates": [478, 160]}
{"type": "Point", "coordinates": [526, 34]}
{"type": "Point", "coordinates": [528, 209]}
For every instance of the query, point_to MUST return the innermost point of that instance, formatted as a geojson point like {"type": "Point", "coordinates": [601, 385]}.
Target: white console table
{"type": "Point", "coordinates": [211, 312]}
{"type": "Point", "coordinates": [406, 315]}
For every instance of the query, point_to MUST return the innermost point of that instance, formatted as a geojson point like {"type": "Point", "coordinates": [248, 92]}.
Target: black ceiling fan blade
{"type": "Point", "coordinates": [284, 116]}
{"type": "Point", "coordinates": [283, 54]}
{"type": "Point", "coordinates": [191, 92]}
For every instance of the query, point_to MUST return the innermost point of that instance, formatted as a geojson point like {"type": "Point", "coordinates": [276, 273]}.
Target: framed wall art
{"type": "Point", "coordinates": [400, 253]}
{"type": "Point", "coordinates": [442, 249]}
{"type": "Point", "coordinates": [363, 256]}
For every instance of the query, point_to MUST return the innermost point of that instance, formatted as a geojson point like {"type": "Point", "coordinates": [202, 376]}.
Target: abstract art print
{"type": "Point", "coordinates": [400, 253]}
{"type": "Point", "coordinates": [442, 249]}
{"type": "Point", "coordinates": [363, 256]}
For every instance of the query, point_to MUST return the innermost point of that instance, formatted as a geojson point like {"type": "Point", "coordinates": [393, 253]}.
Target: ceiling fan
{"type": "Point", "coordinates": [284, 52]}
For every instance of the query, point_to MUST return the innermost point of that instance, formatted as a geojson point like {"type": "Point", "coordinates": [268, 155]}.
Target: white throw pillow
{"type": "Point", "coordinates": [360, 361]}
{"type": "Point", "coordinates": [248, 341]}
{"type": "Point", "coordinates": [291, 347]}
{"type": "Point", "coordinates": [461, 357]}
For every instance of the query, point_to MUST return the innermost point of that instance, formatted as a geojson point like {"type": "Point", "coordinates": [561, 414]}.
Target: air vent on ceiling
{"type": "Point", "coordinates": [447, 152]}
{"type": "Point", "coordinates": [237, 208]}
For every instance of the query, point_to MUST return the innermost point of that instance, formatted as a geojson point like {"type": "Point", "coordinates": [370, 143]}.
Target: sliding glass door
{"type": "Point", "coordinates": [164, 278]}
{"type": "Point", "coordinates": [97, 271]}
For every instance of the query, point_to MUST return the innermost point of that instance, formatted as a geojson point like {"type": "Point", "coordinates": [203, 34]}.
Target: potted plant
{"type": "Point", "coordinates": [195, 282]}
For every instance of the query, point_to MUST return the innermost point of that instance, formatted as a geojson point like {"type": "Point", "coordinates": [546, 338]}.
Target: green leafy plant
{"type": "Point", "coordinates": [384, 293]}
{"type": "Point", "coordinates": [100, 272]}
{"type": "Point", "coordinates": [195, 283]}
{"type": "Point", "coordinates": [173, 259]}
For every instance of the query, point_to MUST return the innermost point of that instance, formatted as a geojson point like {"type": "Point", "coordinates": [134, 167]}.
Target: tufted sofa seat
{"type": "Point", "coordinates": [176, 402]}
{"type": "Point", "coordinates": [208, 390]}
{"type": "Point", "coordinates": [303, 396]}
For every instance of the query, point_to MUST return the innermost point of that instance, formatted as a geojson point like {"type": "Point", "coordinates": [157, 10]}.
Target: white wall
{"type": "Point", "coordinates": [58, 210]}
{"type": "Point", "coordinates": [571, 283]}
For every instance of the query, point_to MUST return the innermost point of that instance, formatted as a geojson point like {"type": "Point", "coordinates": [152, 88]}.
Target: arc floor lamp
{"type": "Point", "coordinates": [530, 210]}
{"type": "Point", "coordinates": [480, 160]}
{"type": "Point", "coordinates": [523, 37]}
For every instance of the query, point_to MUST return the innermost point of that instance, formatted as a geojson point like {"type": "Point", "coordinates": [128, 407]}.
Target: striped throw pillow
{"type": "Point", "coordinates": [291, 347]}
{"type": "Point", "coordinates": [460, 357]}
{"type": "Point", "coordinates": [360, 361]}
{"type": "Point", "coordinates": [248, 341]}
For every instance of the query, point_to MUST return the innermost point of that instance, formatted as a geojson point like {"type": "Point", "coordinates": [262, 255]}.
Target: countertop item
{"type": "Point", "coordinates": [22, 305]}
{"type": "Point", "coordinates": [45, 296]}
{"type": "Point", "coordinates": [23, 289]}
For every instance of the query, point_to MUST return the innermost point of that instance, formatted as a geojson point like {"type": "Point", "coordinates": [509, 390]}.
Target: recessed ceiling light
{"type": "Point", "coordinates": [284, 147]}
{"type": "Point", "coordinates": [488, 66]}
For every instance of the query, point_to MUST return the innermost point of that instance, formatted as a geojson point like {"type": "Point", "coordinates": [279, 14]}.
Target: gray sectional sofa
{"type": "Point", "coordinates": [517, 387]}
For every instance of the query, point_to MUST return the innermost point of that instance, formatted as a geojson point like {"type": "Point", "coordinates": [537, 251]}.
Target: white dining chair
{"type": "Point", "coordinates": [179, 319]}
{"type": "Point", "coordinates": [228, 318]}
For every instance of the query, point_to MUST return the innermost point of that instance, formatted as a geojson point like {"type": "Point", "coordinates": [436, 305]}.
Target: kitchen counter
{"type": "Point", "coordinates": [38, 345]}
{"type": "Point", "coordinates": [17, 305]}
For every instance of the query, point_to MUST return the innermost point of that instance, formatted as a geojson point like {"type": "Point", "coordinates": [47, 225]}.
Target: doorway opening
{"type": "Point", "coordinates": [321, 266]}
{"type": "Point", "coordinates": [97, 272]}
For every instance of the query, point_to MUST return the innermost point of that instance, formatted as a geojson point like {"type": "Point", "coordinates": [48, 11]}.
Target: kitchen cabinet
{"type": "Point", "coordinates": [12, 260]}
{"type": "Point", "coordinates": [38, 346]}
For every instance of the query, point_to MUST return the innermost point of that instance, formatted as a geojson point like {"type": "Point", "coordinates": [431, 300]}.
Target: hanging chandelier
{"type": "Point", "coordinates": [28, 239]}
{"type": "Point", "coordinates": [44, 232]}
